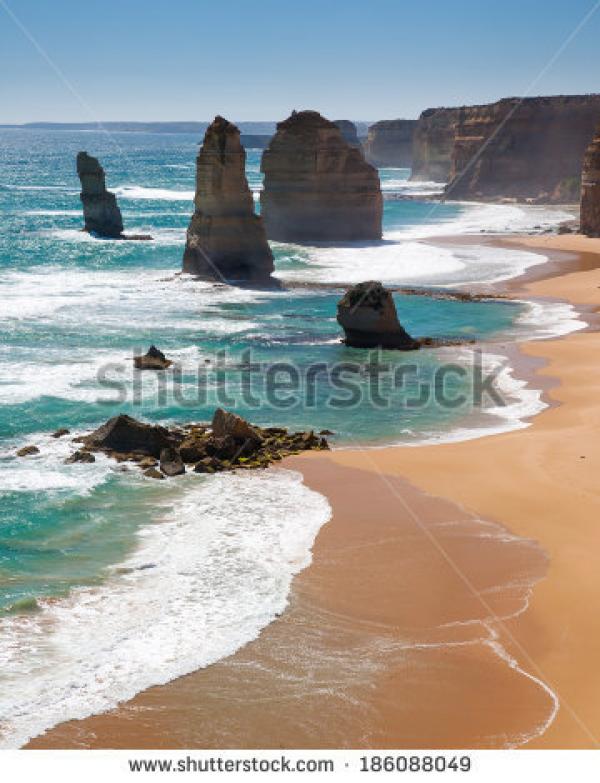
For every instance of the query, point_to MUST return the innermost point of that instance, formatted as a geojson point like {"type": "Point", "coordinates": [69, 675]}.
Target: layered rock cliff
{"type": "Point", "coordinates": [390, 143]}
{"type": "Point", "coordinates": [317, 187]}
{"type": "Point", "coordinates": [367, 314]}
{"type": "Point", "coordinates": [523, 148]}
{"type": "Point", "coordinates": [101, 214]}
{"type": "Point", "coordinates": [590, 189]}
{"type": "Point", "coordinates": [226, 240]}
{"type": "Point", "coordinates": [432, 145]}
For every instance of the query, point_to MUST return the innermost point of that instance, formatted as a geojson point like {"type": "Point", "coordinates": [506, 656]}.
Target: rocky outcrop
{"type": "Point", "coordinates": [318, 188]}
{"type": "Point", "coordinates": [229, 443]}
{"type": "Point", "coordinates": [152, 360]}
{"type": "Point", "coordinates": [590, 189]}
{"type": "Point", "coordinates": [349, 133]}
{"type": "Point", "coordinates": [226, 240]}
{"type": "Point", "coordinates": [101, 213]}
{"type": "Point", "coordinates": [523, 148]}
{"type": "Point", "coordinates": [367, 314]}
{"type": "Point", "coordinates": [433, 142]}
{"type": "Point", "coordinates": [390, 143]}
{"type": "Point", "coordinates": [125, 435]}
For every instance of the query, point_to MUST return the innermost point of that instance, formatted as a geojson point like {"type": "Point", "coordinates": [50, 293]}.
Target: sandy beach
{"type": "Point", "coordinates": [453, 599]}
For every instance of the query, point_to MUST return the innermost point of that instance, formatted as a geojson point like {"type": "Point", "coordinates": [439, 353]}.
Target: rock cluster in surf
{"type": "Point", "coordinates": [226, 240]}
{"type": "Point", "coordinates": [368, 316]}
{"type": "Point", "coordinates": [101, 213]}
{"type": "Point", "coordinates": [228, 443]}
{"type": "Point", "coordinates": [590, 189]}
{"type": "Point", "coordinates": [317, 187]}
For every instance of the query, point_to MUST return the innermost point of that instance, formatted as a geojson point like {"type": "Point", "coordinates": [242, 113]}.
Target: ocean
{"type": "Point", "coordinates": [97, 600]}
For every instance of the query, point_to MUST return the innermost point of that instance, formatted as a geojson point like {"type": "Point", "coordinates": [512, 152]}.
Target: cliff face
{"type": "Point", "coordinates": [590, 189]}
{"type": "Point", "coordinates": [317, 187]}
{"type": "Point", "coordinates": [528, 148]}
{"type": "Point", "coordinates": [101, 214]}
{"type": "Point", "coordinates": [432, 145]}
{"type": "Point", "coordinates": [225, 240]}
{"type": "Point", "coordinates": [390, 143]}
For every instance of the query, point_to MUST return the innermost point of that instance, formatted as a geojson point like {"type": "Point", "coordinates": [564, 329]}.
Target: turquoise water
{"type": "Point", "coordinates": [73, 307]}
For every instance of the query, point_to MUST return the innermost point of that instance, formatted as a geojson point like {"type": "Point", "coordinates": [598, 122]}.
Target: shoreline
{"type": "Point", "coordinates": [458, 481]}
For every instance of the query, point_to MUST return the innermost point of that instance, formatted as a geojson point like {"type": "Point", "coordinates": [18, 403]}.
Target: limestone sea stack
{"type": "Point", "coordinates": [590, 189]}
{"type": "Point", "coordinates": [101, 213]}
{"type": "Point", "coordinates": [349, 132]}
{"type": "Point", "coordinates": [226, 240]}
{"type": "Point", "coordinates": [390, 143]}
{"type": "Point", "coordinates": [317, 187]}
{"type": "Point", "coordinates": [368, 316]}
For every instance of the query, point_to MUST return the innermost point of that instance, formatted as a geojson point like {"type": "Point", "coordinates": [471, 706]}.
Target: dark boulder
{"type": "Point", "coordinates": [367, 314]}
{"type": "Point", "coordinates": [80, 456]}
{"type": "Point", "coordinates": [225, 423]}
{"type": "Point", "coordinates": [152, 360]}
{"type": "Point", "coordinates": [171, 463]}
{"type": "Point", "coordinates": [125, 434]}
{"type": "Point", "coordinates": [28, 451]}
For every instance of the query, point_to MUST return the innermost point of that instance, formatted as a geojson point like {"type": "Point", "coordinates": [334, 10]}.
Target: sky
{"type": "Point", "coordinates": [101, 60]}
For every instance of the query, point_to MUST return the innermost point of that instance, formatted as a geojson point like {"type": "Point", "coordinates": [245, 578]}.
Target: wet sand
{"type": "Point", "coordinates": [422, 621]}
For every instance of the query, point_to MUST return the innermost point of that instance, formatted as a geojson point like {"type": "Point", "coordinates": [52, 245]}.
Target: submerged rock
{"type": "Point", "coordinates": [367, 314]}
{"type": "Point", "coordinates": [60, 432]}
{"type": "Point", "coordinates": [101, 213]}
{"type": "Point", "coordinates": [27, 451]}
{"type": "Point", "coordinates": [317, 187]}
{"type": "Point", "coordinates": [590, 189]}
{"type": "Point", "coordinates": [80, 456]}
{"type": "Point", "coordinates": [226, 240]}
{"type": "Point", "coordinates": [152, 360]}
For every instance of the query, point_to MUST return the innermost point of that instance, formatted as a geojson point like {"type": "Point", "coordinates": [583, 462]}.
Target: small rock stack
{"type": "Point", "coordinates": [368, 316]}
{"type": "Point", "coordinates": [101, 213]}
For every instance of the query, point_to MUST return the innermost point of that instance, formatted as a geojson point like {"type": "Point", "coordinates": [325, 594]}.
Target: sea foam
{"type": "Point", "coordinates": [200, 584]}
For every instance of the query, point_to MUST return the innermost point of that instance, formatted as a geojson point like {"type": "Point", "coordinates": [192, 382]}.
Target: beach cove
{"type": "Point", "coordinates": [493, 605]}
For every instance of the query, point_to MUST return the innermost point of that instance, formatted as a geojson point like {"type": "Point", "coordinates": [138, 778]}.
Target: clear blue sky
{"type": "Point", "coordinates": [369, 60]}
